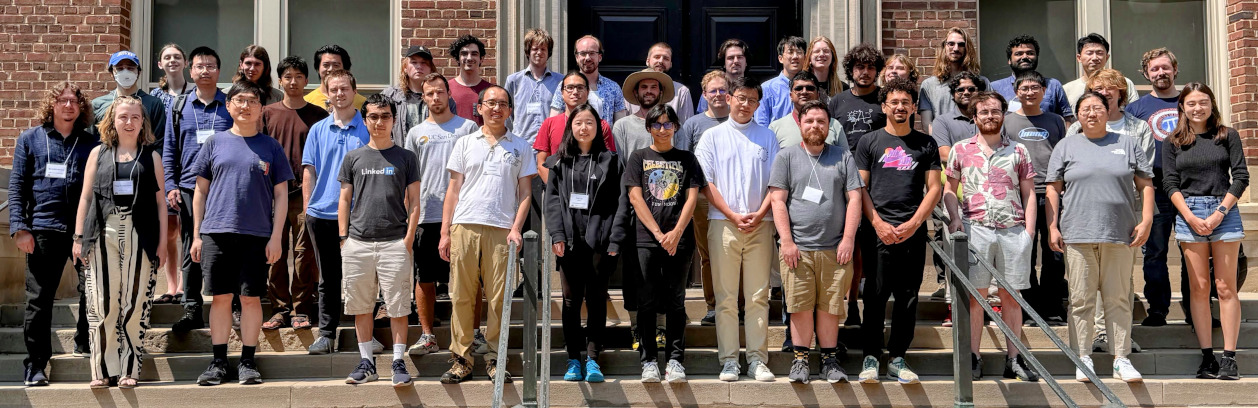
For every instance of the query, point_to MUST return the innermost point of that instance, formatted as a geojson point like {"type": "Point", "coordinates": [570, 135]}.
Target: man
{"type": "Point", "coordinates": [289, 121]}
{"type": "Point", "coordinates": [321, 159]}
{"type": "Point", "coordinates": [1093, 55]}
{"type": "Point", "coordinates": [660, 58]}
{"type": "Point", "coordinates": [467, 53]}
{"type": "Point", "coordinates": [857, 108]}
{"type": "Point", "coordinates": [534, 85]}
{"type": "Point", "coordinates": [330, 58]}
{"type": "Point", "coordinates": [431, 142]}
{"type": "Point", "coordinates": [605, 94]}
{"type": "Point", "coordinates": [900, 168]}
{"type": "Point", "coordinates": [407, 95]}
{"type": "Point", "coordinates": [737, 157]}
{"type": "Point", "coordinates": [787, 128]}
{"type": "Point", "coordinates": [811, 184]}
{"type": "Point", "coordinates": [1023, 52]}
{"type": "Point", "coordinates": [485, 206]}
{"type": "Point", "coordinates": [1039, 132]}
{"type": "Point", "coordinates": [124, 66]}
{"type": "Point", "coordinates": [202, 113]}
{"type": "Point", "coordinates": [376, 217]}
{"type": "Point", "coordinates": [956, 54]}
{"type": "Point", "coordinates": [793, 55]}
{"type": "Point", "coordinates": [957, 125]}
{"type": "Point", "coordinates": [41, 220]}
{"type": "Point", "coordinates": [575, 91]}
{"type": "Point", "coordinates": [733, 58]}
{"type": "Point", "coordinates": [996, 174]}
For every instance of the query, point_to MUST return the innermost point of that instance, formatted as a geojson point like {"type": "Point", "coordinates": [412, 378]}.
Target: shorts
{"type": "Point", "coordinates": [371, 268]}
{"type": "Point", "coordinates": [818, 283]}
{"type": "Point", "coordinates": [233, 264]}
{"type": "Point", "coordinates": [1006, 249]}
{"type": "Point", "coordinates": [1229, 230]}
{"type": "Point", "coordinates": [429, 267]}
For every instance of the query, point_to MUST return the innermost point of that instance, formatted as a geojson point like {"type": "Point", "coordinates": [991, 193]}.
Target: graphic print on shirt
{"type": "Point", "coordinates": [387, 171]}
{"type": "Point", "coordinates": [862, 120]}
{"type": "Point", "coordinates": [1033, 134]}
{"type": "Point", "coordinates": [897, 159]}
{"type": "Point", "coordinates": [1163, 122]}
{"type": "Point", "coordinates": [663, 180]}
{"type": "Point", "coordinates": [265, 167]}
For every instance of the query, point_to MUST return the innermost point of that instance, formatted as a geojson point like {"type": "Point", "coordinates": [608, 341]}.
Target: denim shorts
{"type": "Point", "coordinates": [1229, 230]}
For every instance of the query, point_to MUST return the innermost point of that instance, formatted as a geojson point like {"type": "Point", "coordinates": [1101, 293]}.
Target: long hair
{"type": "Point", "coordinates": [1183, 135]}
{"type": "Point", "coordinates": [943, 69]}
{"type": "Point", "coordinates": [903, 59]}
{"type": "Point", "coordinates": [161, 82]}
{"type": "Point", "coordinates": [569, 148]}
{"type": "Point", "coordinates": [832, 80]}
{"type": "Point", "coordinates": [109, 133]}
{"type": "Point", "coordinates": [258, 52]}
{"type": "Point", "coordinates": [44, 115]}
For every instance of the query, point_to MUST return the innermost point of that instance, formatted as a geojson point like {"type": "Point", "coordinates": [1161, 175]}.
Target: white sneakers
{"type": "Point", "coordinates": [1124, 371]}
{"type": "Point", "coordinates": [1080, 375]}
{"type": "Point", "coordinates": [760, 371]}
{"type": "Point", "coordinates": [675, 373]}
{"type": "Point", "coordinates": [650, 372]}
{"type": "Point", "coordinates": [730, 371]}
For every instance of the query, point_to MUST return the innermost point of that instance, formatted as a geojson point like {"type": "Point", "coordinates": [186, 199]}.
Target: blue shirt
{"type": "Point", "coordinates": [776, 101]}
{"type": "Point", "coordinates": [326, 146]}
{"type": "Point", "coordinates": [1054, 97]}
{"type": "Point", "coordinates": [1162, 115]}
{"type": "Point", "coordinates": [181, 148]}
{"type": "Point", "coordinates": [243, 172]}
{"type": "Point", "coordinates": [37, 202]}
{"type": "Point", "coordinates": [532, 98]}
{"type": "Point", "coordinates": [610, 99]}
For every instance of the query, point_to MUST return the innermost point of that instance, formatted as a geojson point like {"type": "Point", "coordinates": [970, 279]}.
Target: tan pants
{"type": "Point", "coordinates": [746, 259]}
{"type": "Point", "coordinates": [1105, 268]}
{"type": "Point", "coordinates": [478, 256]}
{"type": "Point", "coordinates": [818, 283]}
{"type": "Point", "coordinates": [703, 258]}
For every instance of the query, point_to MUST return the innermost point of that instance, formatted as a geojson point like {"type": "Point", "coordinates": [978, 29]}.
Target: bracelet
{"type": "Point", "coordinates": [344, 237]}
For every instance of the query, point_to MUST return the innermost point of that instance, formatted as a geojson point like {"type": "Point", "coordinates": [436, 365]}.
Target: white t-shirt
{"type": "Point", "coordinates": [738, 159]}
{"type": "Point", "coordinates": [490, 175]}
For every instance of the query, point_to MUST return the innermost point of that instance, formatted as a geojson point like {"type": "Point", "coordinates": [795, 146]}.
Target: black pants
{"type": "Point", "coordinates": [584, 274]}
{"type": "Point", "coordinates": [325, 235]}
{"type": "Point", "coordinates": [192, 276]}
{"type": "Point", "coordinates": [43, 275]}
{"type": "Point", "coordinates": [893, 270]}
{"type": "Point", "coordinates": [662, 290]}
{"type": "Point", "coordinates": [1048, 290]}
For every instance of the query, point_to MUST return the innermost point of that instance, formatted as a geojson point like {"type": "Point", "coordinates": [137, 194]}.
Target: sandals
{"type": "Point", "coordinates": [98, 384]}
{"type": "Point", "coordinates": [127, 383]}
{"type": "Point", "coordinates": [301, 322]}
{"type": "Point", "coordinates": [276, 322]}
{"type": "Point", "coordinates": [165, 298]}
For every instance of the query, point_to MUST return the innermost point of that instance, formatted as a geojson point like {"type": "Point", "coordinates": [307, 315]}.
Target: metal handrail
{"type": "Point", "coordinates": [513, 259]}
{"type": "Point", "coordinates": [543, 392]}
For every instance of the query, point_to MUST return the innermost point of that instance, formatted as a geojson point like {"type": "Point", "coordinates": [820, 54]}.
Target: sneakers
{"type": "Point", "coordinates": [831, 371]}
{"type": "Point", "coordinates": [81, 352]}
{"type": "Point", "coordinates": [322, 345]}
{"type": "Point", "coordinates": [708, 319]}
{"type": "Point", "coordinates": [460, 371]}
{"type": "Point", "coordinates": [191, 320]}
{"type": "Point", "coordinates": [1209, 368]}
{"type": "Point", "coordinates": [730, 371]}
{"type": "Point", "coordinates": [940, 293]}
{"type": "Point", "coordinates": [948, 318]}
{"type": "Point", "coordinates": [401, 378]}
{"type": "Point", "coordinates": [1100, 344]}
{"type": "Point", "coordinates": [35, 377]}
{"type": "Point", "coordinates": [235, 320]}
{"type": "Point", "coordinates": [976, 367]}
{"type": "Point", "coordinates": [869, 370]}
{"type": "Point", "coordinates": [1228, 370]}
{"type": "Point", "coordinates": [651, 372]}
{"type": "Point", "coordinates": [1080, 375]}
{"type": "Point", "coordinates": [213, 374]}
{"type": "Point", "coordinates": [1124, 371]}
{"type": "Point", "coordinates": [1135, 347]}
{"type": "Point", "coordinates": [799, 371]}
{"type": "Point", "coordinates": [675, 372]}
{"type": "Point", "coordinates": [760, 372]}
{"type": "Point", "coordinates": [1154, 320]}
{"type": "Point", "coordinates": [899, 370]}
{"type": "Point", "coordinates": [574, 371]}
{"type": "Point", "coordinates": [1055, 321]}
{"type": "Point", "coordinates": [593, 373]}
{"type": "Point", "coordinates": [659, 338]}
{"type": "Point", "coordinates": [376, 346]}
{"type": "Point", "coordinates": [492, 371]}
{"type": "Point", "coordinates": [364, 373]}
{"type": "Point", "coordinates": [1016, 367]}
{"type": "Point", "coordinates": [479, 345]}
{"type": "Point", "coordinates": [427, 343]}
{"type": "Point", "coordinates": [247, 373]}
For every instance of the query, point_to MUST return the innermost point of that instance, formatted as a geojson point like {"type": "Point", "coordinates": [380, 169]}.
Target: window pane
{"type": "Point", "coordinates": [1142, 25]}
{"type": "Point", "coordinates": [1051, 22]}
{"type": "Point", "coordinates": [359, 26]}
{"type": "Point", "coordinates": [224, 25]}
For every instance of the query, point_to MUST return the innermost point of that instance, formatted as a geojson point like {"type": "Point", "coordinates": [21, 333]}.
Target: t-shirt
{"type": "Point", "coordinates": [665, 179]}
{"type": "Point", "coordinates": [816, 226]}
{"type": "Point", "coordinates": [687, 138]}
{"type": "Point", "coordinates": [738, 158]}
{"type": "Point", "coordinates": [948, 130]}
{"type": "Point", "coordinates": [289, 127]}
{"type": "Point", "coordinates": [1099, 200]}
{"type": "Point", "coordinates": [550, 135]}
{"type": "Point", "coordinates": [379, 179]}
{"type": "Point", "coordinates": [991, 183]}
{"type": "Point", "coordinates": [466, 97]}
{"type": "Point", "coordinates": [326, 147]}
{"type": "Point", "coordinates": [490, 176]}
{"type": "Point", "coordinates": [1162, 115]}
{"type": "Point", "coordinates": [936, 97]}
{"type": "Point", "coordinates": [243, 172]}
{"type": "Point", "coordinates": [1054, 97]}
{"type": "Point", "coordinates": [897, 167]}
{"type": "Point", "coordinates": [630, 134]}
{"type": "Point", "coordinates": [431, 143]}
{"type": "Point", "coordinates": [1039, 134]}
{"type": "Point", "coordinates": [858, 114]}
{"type": "Point", "coordinates": [1074, 89]}
{"type": "Point", "coordinates": [788, 132]}
{"type": "Point", "coordinates": [319, 99]}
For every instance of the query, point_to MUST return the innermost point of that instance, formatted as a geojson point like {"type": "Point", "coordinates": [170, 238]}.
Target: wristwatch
{"type": "Point", "coordinates": [344, 237]}
{"type": "Point", "coordinates": [1222, 209]}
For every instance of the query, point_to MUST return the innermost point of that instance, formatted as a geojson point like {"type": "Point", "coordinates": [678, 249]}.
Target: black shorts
{"type": "Point", "coordinates": [429, 267]}
{"type": "Point", "coordinates": [233, 264]}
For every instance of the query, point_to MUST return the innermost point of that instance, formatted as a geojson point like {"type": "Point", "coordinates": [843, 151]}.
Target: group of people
{"type": "Point", "coordinates": [800, 182]}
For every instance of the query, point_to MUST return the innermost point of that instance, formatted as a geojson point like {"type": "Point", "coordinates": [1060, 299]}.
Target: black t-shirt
{"type": "Point", "coordinates": [897, 169]}
{"type": "Point", "coordinates": [380, 178]}
{"type": "Point", "coordinates": [665, 179]}
{"type": "Point", "coordinates": [858, 114]}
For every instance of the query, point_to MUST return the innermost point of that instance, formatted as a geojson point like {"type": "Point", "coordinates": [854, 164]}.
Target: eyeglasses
{"type": "Point", "coordinates": [495, 104]}
{"type": "Point", "coordinates": [955, 43]}
{"type": "Point", "coordinates": [967, 89]}
{"type": "Point", "coordinates": [587, 54]}
{"type": "Point", "coordinates": [899, 103]}
{"type": "Point", "coordinates": [744, 100]}
{"type": "Point", "coordinates": [246, 102]}
{"type": "Point", "coordinates": [718, 92]}
{"type": "Point", "coordinates": [662, 126]}
{"type": "Point", "coordinates": [574, 88]}
{"type": "Point", "coordinates": [1031, 88]}
{"type": "Point", "coordinates": [805, 88]}
{"type": "Point", "coordinates": [1092, 109]}
{"type": "Point", "coordinates": [379, 117]}
{"type": "Point", "coordinates": [205, 67]}
{"type": "Point", "coordinates": [67, 101]}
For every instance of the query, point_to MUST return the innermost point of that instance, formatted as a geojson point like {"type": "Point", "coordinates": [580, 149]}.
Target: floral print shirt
{"type": "Point", "coordinates": [991, 182]}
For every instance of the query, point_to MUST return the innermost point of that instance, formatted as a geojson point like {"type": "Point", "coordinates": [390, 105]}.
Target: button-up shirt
{"type": "Point", "coordinates": [38, 202]}
{"type": "Point", "coordinates": [991, 183]}
{"type": "Point", "coordinates": [606, 100]}
{"type": "Point", "coordinates": [1054, 97]}
{"type": "Point", "coordinates": [182, 146]}
{"type": "Point", "coordinates": [532, 97]}
{"type": "Point", "coordinates": [776, 101]}
{"type": "Point", "coordinates": [326, 146]}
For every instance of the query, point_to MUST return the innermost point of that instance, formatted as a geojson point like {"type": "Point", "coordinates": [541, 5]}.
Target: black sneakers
{"type": "Point", "coordinates": [247, 373]}
{"type": "Point", "coordinates": [191, 320]}
{"type": "Point", "coordinates": [1209, 368]}
{"type": "Point", "coordinates": [364, 373]}
{"type": "Point", "coordinates": [976, 367]}
{"type": "Point", "coordinates": [1016, 367]}
{"type": "Point", "coordinates": [1228, 369]}
{"type": "Point", "coordinates": [214, 374]}
{"type": "Point", "coordinates": [34, 377]}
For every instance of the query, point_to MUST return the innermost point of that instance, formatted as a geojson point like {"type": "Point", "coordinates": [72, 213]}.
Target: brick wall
{"type": "Point", "coordinates": [46, 41]}
{"type": "Point", "coordinates": [437, 23]}
{"type": "Point", "coordinates": [1242, 47]}
{"type": "Point", "coordinates": [914, 28]}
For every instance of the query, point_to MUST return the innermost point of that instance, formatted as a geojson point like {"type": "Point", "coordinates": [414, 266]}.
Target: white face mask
{"type": "Point", "coordinates": [125, 77]}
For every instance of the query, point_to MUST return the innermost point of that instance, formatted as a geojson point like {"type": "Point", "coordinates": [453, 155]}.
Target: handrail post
{"type": "Point", "coordinates": [529, 324]}
{"type": "Point", "coordinates": [543, 395]}
{"type": "Point", "coordinates": [513, 259]}
{"type": "Point", "coordinates": [961, 336]}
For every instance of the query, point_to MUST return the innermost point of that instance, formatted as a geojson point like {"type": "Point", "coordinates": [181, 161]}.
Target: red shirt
{"type": "Point", "coordinates": [550, 135]}
{"type": "Point", "coordinates": [466, 97]}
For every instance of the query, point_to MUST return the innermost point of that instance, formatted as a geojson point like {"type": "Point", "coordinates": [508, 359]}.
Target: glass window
{"type": "Point", "coordinates": [1051, 22]}
{"type": "Point", "coordinates": [224, 25]}
{"type": "Point", "coordinates": [1141, 25]}
{"type": "Point", "coordinates": [361, 27]}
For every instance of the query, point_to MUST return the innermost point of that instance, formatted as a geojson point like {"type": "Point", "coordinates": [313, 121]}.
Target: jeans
{"type": "Point", "coordinates": [43, 275]}
{"type": "Point", "coordinates": [1157, 281]}
{"type": "Point", "coordinates": [192, 276]}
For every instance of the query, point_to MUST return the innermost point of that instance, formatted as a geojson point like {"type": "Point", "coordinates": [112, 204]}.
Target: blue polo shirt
{"type": "Point", "coordinates": [180, 148]}
{"type": "Point", "coordinates": [532, 100]}
{"type": "Point", "coordinates": [776, 101]}
{"type": "Point", "coordinates": [1054, 97]}
{"type": "Point", "coordinates": [326, 146]}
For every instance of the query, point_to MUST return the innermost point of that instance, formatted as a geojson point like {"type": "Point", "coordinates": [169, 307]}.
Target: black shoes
{"type": "Point", "coordinates": [1154, 320]}
{"type": "Point", "coordinates": [1228, 369]}
{"type": "Point", "coordinates": [34, 377]}
{"type": "Point", "coordinates": [1209, 368]}
{"type": "Point", "coordinates": [1016, 367]}
{"type": "Point", "coordinates": [214, 374]}
{"type": "Point", "coordinates": [191, 320]}
{"type": "Point", "coordinates": [976, 367]}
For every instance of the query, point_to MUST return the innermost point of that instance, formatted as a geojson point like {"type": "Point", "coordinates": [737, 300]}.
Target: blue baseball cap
{"type": "Point", "coordinates": [123, 55]}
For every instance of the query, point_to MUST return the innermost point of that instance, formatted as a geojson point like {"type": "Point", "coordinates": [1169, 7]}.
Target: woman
{"type": "Point", "coordinates": [823, 64]}
{"type": "Point", "coordinates": [255, 66]}
{"type": "Point", "coordinates": [118, 234]}
{"type": "Point", "coordinates": [899, 66]}
{"type": "Point", "coordinates": [586, 224]}
{"type": "Point", "coordinates": [663, 185]}
{"type": "Point", "coordinates": [172, 61]}
{"type": "Point", "coordinates": [1205, 173]}
{"type": "Point", "coordinates": [1093, 179]}
{"type": "Point", "coordinates": [1113, 86]}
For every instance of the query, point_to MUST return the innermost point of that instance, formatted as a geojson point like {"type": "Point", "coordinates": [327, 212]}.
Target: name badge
{"type": "Point", "coordinates": [123, 187]}
{"type": "Point", "coordinates": [535, 107]}
{"type": "Point", "coordinates": [579, 201]}
{"type": "Point", "coordinates": [493, 168]}
{"type": "Point", "coordinates": [812, 195]}
{"type": "Point", "coordinates": [203, 134]}
{"type": "Point", "coordinates": [55, 170]}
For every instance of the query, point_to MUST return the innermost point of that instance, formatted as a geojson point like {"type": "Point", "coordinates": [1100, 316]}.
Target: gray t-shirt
{"type": "Point", "coordinates": [1039, 134]}
{"type": "Point", "coordinates": [380, 179]}
{"type": "Point", "coordinates": [948, 130]}
{"type": "Point", "coordinates": [1099, 203]}
{"type": "Point", "coordinates": [431, 143]}
{"type": "Point", "coordinates": [688, 137]}
{"type": "Point", "coordinates": [816, 226]}
{"type": "Point", "coordinates": [630, 134]}
{"type": "Point", "coordinates": [937, 98]}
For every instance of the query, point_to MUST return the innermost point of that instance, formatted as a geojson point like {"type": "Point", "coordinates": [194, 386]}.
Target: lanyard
{"type": "Point", "coordinates": [135, 162]}
{"type": "Point", "coordinates": [814, 162]}
{"type": "Point", "coordinates": [48, 156]}
{"type": "Point", "coordinates": [197, 116]}
{"type": "Point", "coordinates": [589, 175]}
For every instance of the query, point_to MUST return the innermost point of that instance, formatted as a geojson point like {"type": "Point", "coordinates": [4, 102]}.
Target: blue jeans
{"type": "Point", "coordinates": [1157, 282]}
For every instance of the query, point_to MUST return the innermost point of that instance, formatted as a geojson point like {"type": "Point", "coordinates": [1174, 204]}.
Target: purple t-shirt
{"type": "Point", "coordinates": [243, 172]}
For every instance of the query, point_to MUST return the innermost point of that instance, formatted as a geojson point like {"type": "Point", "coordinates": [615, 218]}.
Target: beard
{"type": "Point", "coordinates": [814, 136]}
{"type": "Point", "coordinates": [648, 101]}
{"type": "Point", "coordinates": [989, 127]}
{"type": "Point", "coordinates": [1024, 65]}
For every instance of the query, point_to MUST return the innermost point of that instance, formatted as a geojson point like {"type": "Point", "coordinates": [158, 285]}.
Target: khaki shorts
{"type": "Point", "coordinates": [818, 283]}
{"type": "Point", "coordinates": [372, 268]}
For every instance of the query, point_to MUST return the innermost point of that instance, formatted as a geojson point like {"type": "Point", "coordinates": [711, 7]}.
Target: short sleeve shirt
{"type": "Point", "coordinates": [243, 172]}
{"type": "Point", "coordinates": [325, 149]}
{"type": "Point", "coordinates": [897, 167]}
{"type": "Point", "coordinates": [738, 159]}
{"type": "Point", "coordinates": [665, 179]}
{"type": "Point", "coordinates": [816, 225]}
{"type": "Point", "coordinates": [379, 179]}
{"type": "Point", "coordinates": [490, 176]}
{"type": "Point", "coordinates": [1099, 200]}
{"type": "Point", "coordinates": [991, 183]}
{"type": "Point", "coordinates": [431, 143]}
{"type": "Point", "coordinates": [858, 114]}
{"type": "Point", "coordinates": [607, 98]}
